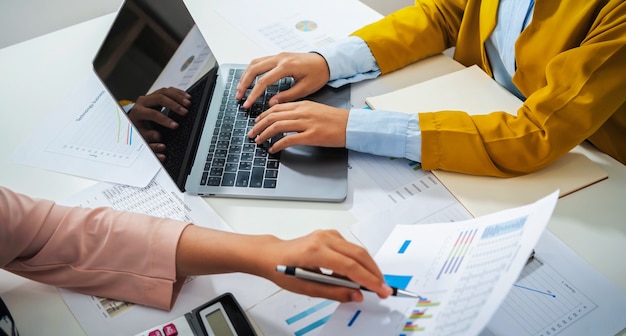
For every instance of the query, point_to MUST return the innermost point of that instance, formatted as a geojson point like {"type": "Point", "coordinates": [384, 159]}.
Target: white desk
{"type": "Point", "coordinates": [38, 74]}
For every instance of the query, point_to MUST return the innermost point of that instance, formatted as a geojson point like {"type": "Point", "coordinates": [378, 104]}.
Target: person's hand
{"type": "Point", "coordinates": [206, 251]}
{"type": "Point", "coordinates": [329, 250]}
{"type": "Point", "coordinates": [316, 125]}
{"type": "Point", "coordinates": [147, 110]}
{"type": "Point", "coordinates": [309, 71]}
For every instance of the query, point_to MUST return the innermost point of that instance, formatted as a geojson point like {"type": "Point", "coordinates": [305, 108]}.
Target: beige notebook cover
{"type": "Point", "coordinates": [473, 91]}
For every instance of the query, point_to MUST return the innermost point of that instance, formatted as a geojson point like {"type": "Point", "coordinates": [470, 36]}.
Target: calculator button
{"type": "Point", "coordinates": [170, 330]}
{"type": "Point", "coordinates": [155, 333]}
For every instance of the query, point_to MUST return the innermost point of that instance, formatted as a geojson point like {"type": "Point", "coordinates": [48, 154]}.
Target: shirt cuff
{"type": "Point", "coordinates": [385, 133]}
{"type": "Point", "coordinates": [349, 61]}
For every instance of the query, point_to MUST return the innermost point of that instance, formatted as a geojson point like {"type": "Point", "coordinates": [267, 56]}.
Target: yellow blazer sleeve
{"type": "Point", "coordinates": [573, 73]}
{"type": "Point", "coordinates": [427, 28]}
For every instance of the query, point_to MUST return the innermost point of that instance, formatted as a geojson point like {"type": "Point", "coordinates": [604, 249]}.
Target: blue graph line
{"type": "Point", "coordinates": [312, 326]}
{"type": "Point", "coordinates": [534, 290]}
{"type": "Point", "coordinates": [405, 245]}
{"type": "Point", "coordinates": [309, 311]}
{"type": "Point", "coordinates": [354, 318]}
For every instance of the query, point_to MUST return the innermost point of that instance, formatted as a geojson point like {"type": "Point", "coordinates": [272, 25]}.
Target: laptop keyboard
{"type": "Point", "coordinates": [177, 140]}
{"type": "Point", "coordinates": [234, 159]}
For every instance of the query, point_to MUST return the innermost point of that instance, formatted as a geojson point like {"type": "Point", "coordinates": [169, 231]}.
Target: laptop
{"type": "Point", "coordinates": [155, 44]}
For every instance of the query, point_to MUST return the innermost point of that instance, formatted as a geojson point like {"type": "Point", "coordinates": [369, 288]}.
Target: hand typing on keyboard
{"type": "Point", "coordinates": [268, 143]}
{"type": "Point", "coordinates": [315, 124]}
{"type": "Point", "coordinates": [312, 123]}
{"type": "Point", "coordinates": [265, 71]}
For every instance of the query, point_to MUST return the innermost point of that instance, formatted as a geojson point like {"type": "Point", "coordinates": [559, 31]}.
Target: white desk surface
{"type": "Point", "coordinates": [38, 74]}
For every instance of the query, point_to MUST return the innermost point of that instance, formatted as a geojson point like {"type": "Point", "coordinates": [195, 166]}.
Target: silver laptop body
{"type": "Point", "coordinates": [155, 43]}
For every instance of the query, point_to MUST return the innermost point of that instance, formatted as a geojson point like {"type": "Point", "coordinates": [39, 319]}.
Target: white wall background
{"type": "Point", "coordinates": [24, 19]}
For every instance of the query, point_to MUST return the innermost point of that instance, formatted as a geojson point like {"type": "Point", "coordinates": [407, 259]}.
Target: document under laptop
{"type": "Point", "coordinates": [156, 44]}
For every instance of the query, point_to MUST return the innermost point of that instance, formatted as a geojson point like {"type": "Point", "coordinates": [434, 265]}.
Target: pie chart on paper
{"type": "Point", "coordinates": [306, 26]}
{"type": "Point", "coordinates": [187, 63]}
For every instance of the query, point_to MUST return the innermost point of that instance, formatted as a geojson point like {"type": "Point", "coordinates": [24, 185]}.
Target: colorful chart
{"type": "Point", "coordinates": [419, 314]}
{"type": "Point", "coordinates": [124, 137]}
{"type": "Point", "coordinates": [424, 302]}
{"type": "Point", "coordinates": [187, 63]}
{"type": "Point", "coordinates": [410, 326]}
{"type": "Point", "coordinates": [306, 26]}
{"type": "Point", "coordinates": [458, 252]}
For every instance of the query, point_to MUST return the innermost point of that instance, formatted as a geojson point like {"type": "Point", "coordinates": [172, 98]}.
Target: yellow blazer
{"type": "Point", "coordinates": [571, 66]}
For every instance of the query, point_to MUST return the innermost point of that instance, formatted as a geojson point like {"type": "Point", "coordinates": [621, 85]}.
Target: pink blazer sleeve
{"type": "Point", "coordinates": [102, 252]}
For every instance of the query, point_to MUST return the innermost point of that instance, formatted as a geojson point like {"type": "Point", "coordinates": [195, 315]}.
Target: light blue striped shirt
{"type": "Point", "coordinates": [397, 134]}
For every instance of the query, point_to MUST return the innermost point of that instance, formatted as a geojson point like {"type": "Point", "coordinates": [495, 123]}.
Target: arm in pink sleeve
{"type": "Point", "coordinates": [103, 252]}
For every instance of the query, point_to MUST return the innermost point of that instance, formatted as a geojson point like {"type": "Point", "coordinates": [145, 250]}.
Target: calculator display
{"type": "Point", "coordinates": [218, 323]}
{"type": "Point", "coordinates": [221, 316]}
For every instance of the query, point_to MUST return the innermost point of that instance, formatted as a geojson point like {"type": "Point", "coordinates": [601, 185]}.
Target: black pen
{"type": "Point", "coordinates": [336, 280]}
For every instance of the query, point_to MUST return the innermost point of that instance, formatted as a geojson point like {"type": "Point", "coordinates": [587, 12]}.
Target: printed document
{"type": "Point", "coordinates": [557, 293]}
{"type": "Point", "coordinates": [297, 25]}
{"type": "Point", "coordinates": [383, 191]}
{"type": "Point", "coordinates": [462, 272]}
{"type": "Point", "coordinates": [90, 136]}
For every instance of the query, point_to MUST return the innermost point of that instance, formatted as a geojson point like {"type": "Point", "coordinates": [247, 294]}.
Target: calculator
{"type": "Point", "coordinates": [221, 316]}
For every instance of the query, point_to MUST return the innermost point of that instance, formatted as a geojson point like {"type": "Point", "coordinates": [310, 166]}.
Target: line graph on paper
{"type": "Point", "coordinates": [542, 303]}
{"type": "Point", "coordinates": [99, 133]}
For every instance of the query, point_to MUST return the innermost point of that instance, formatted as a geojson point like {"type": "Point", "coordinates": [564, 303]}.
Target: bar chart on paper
{"type": "Point", "coordinates": [397, 190]}
{"type": "Point", "coordinates": [101, 133]}
{"type": "Point", "coordinates": [461, 272]}
{"type": "Point", "coordinates": [399, 179]}
{"type": "Point", "coordinates": [385, 191]}
{"type": "Point", "coordinates": [491, 252]}
{"type": "Point", "coordinates": [291, 314]}
{"type": "Point", "coordinates": [419, 314]}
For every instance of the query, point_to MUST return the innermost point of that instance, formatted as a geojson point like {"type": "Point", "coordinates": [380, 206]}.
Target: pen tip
{"type": "Point", "coordinates": [406, 293]}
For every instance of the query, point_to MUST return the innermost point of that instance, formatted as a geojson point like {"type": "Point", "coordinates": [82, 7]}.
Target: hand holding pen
{"type": "Point", "coordinates": [322, 249]}
{"type": "Point", "coordinates": [332, 279]}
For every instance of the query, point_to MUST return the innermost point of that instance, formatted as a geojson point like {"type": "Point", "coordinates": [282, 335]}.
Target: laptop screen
{"type": "Point", "coordinates": [154, 44]}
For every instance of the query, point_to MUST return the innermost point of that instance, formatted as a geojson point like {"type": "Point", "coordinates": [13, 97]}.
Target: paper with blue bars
{"type": "Point", "coordinates": [462, 272]}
